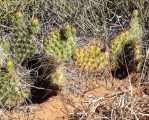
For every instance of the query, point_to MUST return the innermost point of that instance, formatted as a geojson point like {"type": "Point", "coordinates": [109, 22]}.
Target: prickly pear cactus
{"type": "Point", "coordinates": [23, 39]}
{"type": "Point", "coordinates": [91, 57]}
{"type": "Point", "coordinates": [57, 76]}
{"type": "Point", "coordinates": [132, 35]}
{"type": "Point", "coordinates": [60, 43]}
{"type": "Point", "coordinates": [4, 50]}
{"type": "Point", "coordinates": [12, 91]}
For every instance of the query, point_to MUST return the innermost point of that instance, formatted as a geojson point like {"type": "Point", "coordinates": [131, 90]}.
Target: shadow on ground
{"type": "Point", "coordinates": [42, 88]}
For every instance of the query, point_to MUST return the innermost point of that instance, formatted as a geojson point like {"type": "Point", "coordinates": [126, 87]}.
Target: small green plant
{"type": "Point", "coordinates": [133, 36]}
{"type": "Point", "coordinates": [60, 43]}
{"type": "Point", "coordinates": [23, 40]}
{"type": "Point", "coordinates": [52, 70]}
{"type": "Point", "coordinates": [4, 50]}
{"type": "Point", "coordinates": [57, 76]}
{"type": "Point", "coordinates": [91, 57]}
{"type": "Point", "coordinates": [12, 91]}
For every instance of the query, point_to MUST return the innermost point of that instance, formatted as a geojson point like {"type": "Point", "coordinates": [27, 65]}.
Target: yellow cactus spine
{"type": "Point", "coordinates": [90, 57]}
{"type": "Point", "coordinates": [35, 25]}
{"type": "Point", "coordinates": [19, 18]}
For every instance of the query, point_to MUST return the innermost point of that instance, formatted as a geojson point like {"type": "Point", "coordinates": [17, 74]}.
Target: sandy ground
{"type": "Point", "coordinates": [61, 106]}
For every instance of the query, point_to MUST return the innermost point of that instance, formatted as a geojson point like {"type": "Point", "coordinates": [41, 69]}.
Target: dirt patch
{"type": "Point", "coordinates": [55, 108]}
{"type": "Point", "coordinates": [62, 106]}
{"type": "Point", "coordinates": [52, 109]}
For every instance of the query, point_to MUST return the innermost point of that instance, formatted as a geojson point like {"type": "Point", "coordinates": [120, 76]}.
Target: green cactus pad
{"type": "Point", "coordinates": [131, 35]}
{"type": "Point", "coordinates": [12, 91]}
{"type": "Point", "coordinates": [23, 40]}
{"type": "Point", "coordinates": [60, 43]}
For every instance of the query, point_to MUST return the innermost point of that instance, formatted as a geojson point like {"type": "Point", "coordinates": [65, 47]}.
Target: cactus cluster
{"type": "Point", "coordinates": [91, 57]}
{"type": "Point", "coordinates": [60, 43]}
{"type": "Point", "coordinates": [23, 41]}
{"type": "Point", "coordinates": [12, 91]}
{"type": "Point", "coordinates": [132, 35]}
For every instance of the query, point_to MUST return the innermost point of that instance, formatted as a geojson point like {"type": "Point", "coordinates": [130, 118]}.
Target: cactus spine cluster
{"type": "Point", "coordinates": [23, 39]}
{"type": "Point", "coordinates": [12, 91]}
{"type": "Point", "coordinates": [90, 57]}
{"type": "Point", "coordinates": [60, 43]}
{"type": "Point", "coordinates": [132, 35]}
